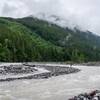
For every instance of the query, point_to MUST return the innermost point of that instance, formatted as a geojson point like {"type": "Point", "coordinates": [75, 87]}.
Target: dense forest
{"type": "Point", "coordinates": [30, 39]}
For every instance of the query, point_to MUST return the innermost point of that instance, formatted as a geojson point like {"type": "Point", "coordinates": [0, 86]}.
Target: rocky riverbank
{"type": "Point", "coordinates": [91, 64]}
{"type": "Point", "coordinates": [33, 71]}
{"type": "Point", "coordinates": [94, 95]}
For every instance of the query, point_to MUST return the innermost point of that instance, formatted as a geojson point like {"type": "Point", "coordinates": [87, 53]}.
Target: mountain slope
{"type": "Point", "coordinates": [86, 43]}
{"type": "Point", "coordinates": [57, 35]}
{"type": "Point", "coordinates": [17, 44]}
{"type": "Point", "coordinates": [32, 39]}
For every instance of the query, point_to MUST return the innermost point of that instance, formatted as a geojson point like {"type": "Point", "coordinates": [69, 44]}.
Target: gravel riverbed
{"type": "Point", "coordinates": [61, 87]}
{"type": "Point", "coordinates": [33, 71]}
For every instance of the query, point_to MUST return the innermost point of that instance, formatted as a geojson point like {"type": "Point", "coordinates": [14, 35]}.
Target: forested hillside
{"type": "Point", "coordinates": [31, 39]}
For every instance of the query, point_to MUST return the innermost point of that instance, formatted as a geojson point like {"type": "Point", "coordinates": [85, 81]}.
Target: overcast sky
{"type": "Point", "coordinates": [84, 13]}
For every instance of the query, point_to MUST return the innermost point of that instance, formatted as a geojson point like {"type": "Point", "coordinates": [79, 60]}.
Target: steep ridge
{"type": "Point", "coordinates": [32, 39]}
{"type": "Point", "coordinates": [74, 42]}
{"type": "Point", "coordinates": [17, 43]}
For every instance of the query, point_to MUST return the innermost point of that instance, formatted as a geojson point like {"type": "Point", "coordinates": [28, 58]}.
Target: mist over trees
{"type": "Point", "coordinates": [31, 39]}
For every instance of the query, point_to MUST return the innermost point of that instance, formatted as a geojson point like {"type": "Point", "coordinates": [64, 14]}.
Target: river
{"type": "Point", "coordinates": [55, 88]}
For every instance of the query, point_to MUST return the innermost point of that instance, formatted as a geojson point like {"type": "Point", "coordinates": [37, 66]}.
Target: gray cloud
{"type": "Point", "coordinates": [84, 13]}
{"type": "Point", "coordinates": [8, 10]}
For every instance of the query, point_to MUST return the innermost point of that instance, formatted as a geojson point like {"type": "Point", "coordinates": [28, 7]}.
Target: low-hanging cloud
{"type": "Point", "coordinates": [83, 13]}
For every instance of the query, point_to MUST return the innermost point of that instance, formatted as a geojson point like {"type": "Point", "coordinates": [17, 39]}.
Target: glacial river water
{"type": "Point", "coordinates": [55, 88]}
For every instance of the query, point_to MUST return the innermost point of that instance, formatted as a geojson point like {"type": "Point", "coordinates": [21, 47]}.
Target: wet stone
{"type": "Point", "coordinates": [94, 95]}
